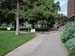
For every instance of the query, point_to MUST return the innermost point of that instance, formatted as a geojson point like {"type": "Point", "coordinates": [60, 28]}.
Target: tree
{"type": "Point", "coordinates": [9, 4]}
{"type": "Point", "coordinates": [36, 10]}
{"type": "Point", "coordinates": [33, 10]}
{"type": "Point", "coordinates": [17, 18]}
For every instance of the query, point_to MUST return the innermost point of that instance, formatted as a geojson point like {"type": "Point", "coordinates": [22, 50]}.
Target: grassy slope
{"type": "Point", "coordinates": [9, 41]}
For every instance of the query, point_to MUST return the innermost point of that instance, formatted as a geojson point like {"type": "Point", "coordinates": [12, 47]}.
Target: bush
{"type": "Point", "coordinates": [72, 53]}
{"type": "Point", "coordinates": [70, 44]}
{"type": "Point", "coordinates": [24, 29]}
{"type": "Point", "coordinates": [68, 32]}
{"type": "Point", "coordinates": [68, 37]}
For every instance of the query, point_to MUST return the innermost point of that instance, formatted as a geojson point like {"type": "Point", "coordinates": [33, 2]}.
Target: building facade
{"type": "Point", "coordinates": [71, 8]}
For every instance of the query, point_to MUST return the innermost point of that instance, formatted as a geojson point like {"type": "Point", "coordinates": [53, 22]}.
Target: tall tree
{"type": "Point", "coordinates": [12, 5]}
{"type": "Point", "coordinates": [33, 10]}
{"type": "Point", "coordinates": [17, 18]}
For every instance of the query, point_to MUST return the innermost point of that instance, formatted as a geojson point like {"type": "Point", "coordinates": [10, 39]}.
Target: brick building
{"type": "Point", "coordinates": [71, 8]}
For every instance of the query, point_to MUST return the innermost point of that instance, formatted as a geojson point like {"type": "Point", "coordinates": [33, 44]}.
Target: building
{"type": "Point", "coordinates": [71, 8]}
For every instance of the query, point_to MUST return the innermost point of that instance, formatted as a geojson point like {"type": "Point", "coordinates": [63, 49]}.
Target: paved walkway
{"type": "Point", "coordinates": [48, 44]}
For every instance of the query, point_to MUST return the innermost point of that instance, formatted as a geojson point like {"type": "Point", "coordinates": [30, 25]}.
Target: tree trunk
{"type": "Point", "coordinates": [33, 25]}
{"type": "Point", "coordinates": [42, 24]}
{"type": "Point", "coordinates": [17, 18]}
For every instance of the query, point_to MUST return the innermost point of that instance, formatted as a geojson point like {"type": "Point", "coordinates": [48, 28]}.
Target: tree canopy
{"type": "Point", "coordinates": [33, 10]}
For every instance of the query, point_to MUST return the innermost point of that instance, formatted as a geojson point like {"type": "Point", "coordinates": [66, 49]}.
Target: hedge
{"type": "Point", "coordinates": [24, 29]}
{"type": "Point", "coordinates": [68, 37]}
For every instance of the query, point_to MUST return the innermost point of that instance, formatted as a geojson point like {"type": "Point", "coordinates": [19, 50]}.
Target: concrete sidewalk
{"type": "Point", "coordinates": [48, 44]}
{"type": "Point", "coordinates": [27, 48]}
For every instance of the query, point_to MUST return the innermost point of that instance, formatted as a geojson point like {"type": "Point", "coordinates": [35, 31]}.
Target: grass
{"type": "Point", "coordinates": [9, 41]}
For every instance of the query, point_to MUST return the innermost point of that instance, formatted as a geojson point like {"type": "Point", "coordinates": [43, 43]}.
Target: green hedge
{"type": "Point", "coordinates": [70, 44]}
{"type": "Point", "coordinates": [68, 32]}
{"type": "Point", "coordinates": [68, 37]}
{"type": "Point", "coordinates": [24, 29]}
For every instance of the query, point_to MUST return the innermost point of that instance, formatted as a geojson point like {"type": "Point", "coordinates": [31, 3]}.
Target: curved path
{"type": "Point", "coordinates": [47, 44]}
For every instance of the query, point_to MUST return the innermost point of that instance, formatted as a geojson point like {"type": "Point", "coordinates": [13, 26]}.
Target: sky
{"type": "Point", "coordinates": [63, 5]}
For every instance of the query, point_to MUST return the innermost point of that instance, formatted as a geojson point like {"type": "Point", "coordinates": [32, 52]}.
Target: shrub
{"type": "Point", "coordinates": [24, 29]}
{"type": "Point", "coordinates": [72, 53]}
{"type": "Point", "coordinates": [68, 32]}
{"type": "Point", "coordinates": [68, 37]}
{"type": "Point", "coordinates": [70, 44]}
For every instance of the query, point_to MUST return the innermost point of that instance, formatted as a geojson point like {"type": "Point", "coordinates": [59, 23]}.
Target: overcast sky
{"type": "Point", "coordinates": [63, 4]}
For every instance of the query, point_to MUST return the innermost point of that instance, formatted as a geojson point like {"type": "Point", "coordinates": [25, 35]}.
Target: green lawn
{"type": "Point", "coordinates": [9, 41]}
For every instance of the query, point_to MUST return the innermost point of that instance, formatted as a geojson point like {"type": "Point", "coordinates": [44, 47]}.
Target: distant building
{"type": "Point", "coordinates": [71, 8]}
